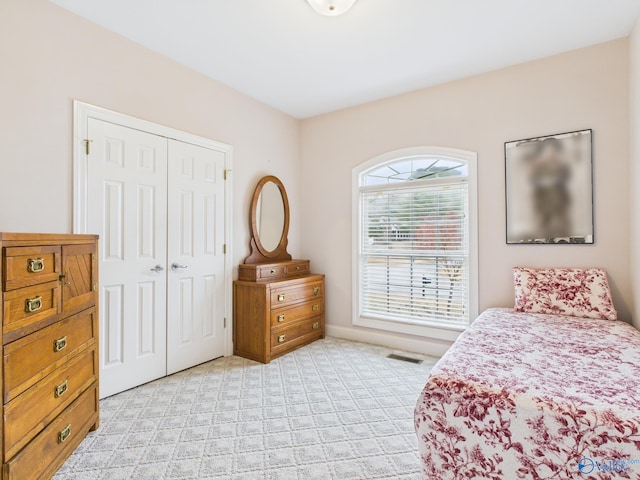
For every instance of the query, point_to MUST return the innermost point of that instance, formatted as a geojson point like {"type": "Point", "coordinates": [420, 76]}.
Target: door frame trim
{"type": "Point", "coordinates": [81, 114]}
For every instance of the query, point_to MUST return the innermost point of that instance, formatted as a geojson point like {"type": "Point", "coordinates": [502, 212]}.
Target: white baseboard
{"type": "Point", "coordinates": [435, 348]}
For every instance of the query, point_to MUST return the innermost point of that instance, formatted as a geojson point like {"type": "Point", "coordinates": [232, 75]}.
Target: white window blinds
{"type": "Point", "coordinates": [414, 252]}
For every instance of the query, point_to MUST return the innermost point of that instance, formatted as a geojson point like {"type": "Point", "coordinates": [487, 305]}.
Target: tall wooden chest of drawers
{"type": "Point", "coordinates": [278, 307]}
{"type": "Point", "coordinates": [49, 350]}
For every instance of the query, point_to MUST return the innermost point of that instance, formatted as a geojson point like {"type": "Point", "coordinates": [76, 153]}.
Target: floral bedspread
{"type": "Point", "coordinates": [533, 396]}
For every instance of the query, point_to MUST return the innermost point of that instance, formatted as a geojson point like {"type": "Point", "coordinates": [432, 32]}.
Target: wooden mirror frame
{"type": "Point", "coordinates": [258, 253]}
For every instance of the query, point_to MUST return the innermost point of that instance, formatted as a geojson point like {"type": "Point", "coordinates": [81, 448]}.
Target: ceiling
{"type": "Point", "coordinates": [283, 53]}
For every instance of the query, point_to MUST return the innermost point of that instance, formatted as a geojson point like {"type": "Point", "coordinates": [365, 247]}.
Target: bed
{"type": "Point", "coordinates": [528, 394]}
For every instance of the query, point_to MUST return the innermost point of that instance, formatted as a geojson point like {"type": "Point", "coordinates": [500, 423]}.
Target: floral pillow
{"type": "Point", "coordinates": [580, 292]}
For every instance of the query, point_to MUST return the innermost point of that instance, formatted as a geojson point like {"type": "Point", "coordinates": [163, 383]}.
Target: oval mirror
{"type": "Point", "coordinates": [270, 216]}
{"type": "Point", "coordinates": [269, 222]}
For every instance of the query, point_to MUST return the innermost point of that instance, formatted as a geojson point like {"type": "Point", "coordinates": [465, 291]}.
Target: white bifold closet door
{"type": "Point", "coordinates": [195, 286]}
{"type": "Point", "coordinates": [158, 206]}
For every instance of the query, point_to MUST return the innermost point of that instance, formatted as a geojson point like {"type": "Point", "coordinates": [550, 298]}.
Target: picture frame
{"type": "Point", "coordinates": [549, 189]}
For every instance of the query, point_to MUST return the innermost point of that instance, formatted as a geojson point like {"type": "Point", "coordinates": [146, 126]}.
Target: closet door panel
{"type": "Point", "coordinates": [195, 302]}
{"type": "Point", "coordinates": [127, 189]}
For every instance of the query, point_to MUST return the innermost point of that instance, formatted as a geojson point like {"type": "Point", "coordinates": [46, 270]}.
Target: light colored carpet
{"type": "Point", "coordinates": [334, 409]}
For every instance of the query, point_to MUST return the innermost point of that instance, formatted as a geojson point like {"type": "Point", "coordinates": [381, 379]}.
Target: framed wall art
{"type": "Point", "coordinates": [549, 189]}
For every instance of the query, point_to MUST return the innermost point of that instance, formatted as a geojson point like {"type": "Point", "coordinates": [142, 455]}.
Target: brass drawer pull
{"type": "Point", "coordinates": [33, 304]}
{"type": "Point", "coordinates": [60, 344]}
{"type": "Point", "coordinates": [281, 297]}
{"type": "Point", "coordinates": [281, 339]}
{"type": "Point", "coordinates": [281, 318]}
{"type": "Point", "coordinates": [60, 389]}
{"type": "Point", "coordinates": [316, 325]}
{"type": "Point", "coordinates": [316, 290]}
{"type": "Point", "coordinates": [272, 271]}
{"type": "Point", "coordinates": [315, 307]}
{"type": "Point", "coordinates": [64, 434]}
{"type": "Point", "coordinates": [297, 267]}
{"type": "Point", "coordinates": [35, 265]}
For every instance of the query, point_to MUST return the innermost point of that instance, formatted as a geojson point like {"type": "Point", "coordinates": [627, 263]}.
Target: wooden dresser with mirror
{"type": "Point", "coordinates": [278, 304]}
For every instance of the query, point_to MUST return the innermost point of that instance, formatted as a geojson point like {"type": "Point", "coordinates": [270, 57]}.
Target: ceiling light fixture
{"type": "Point", "coordinates": [331, 8]}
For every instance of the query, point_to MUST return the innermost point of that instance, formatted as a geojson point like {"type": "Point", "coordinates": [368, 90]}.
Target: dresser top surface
{"type": "Point", "coordinates": [311, 277]}
{"type": "Point", "coordinates": [44, 238]}
{"type": "Point", "coordinates": [272, 264]}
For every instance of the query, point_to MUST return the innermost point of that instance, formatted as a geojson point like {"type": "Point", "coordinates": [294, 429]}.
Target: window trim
{"type": "Point", "coordinates": [448, 333]}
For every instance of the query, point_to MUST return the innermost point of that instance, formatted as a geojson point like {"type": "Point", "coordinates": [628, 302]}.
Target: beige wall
{"type": "Point", "coordinates": [587, 88]}
{"type": "Point", "coordinates": [634, 56]}
{"type": "Point", "coordinates": [50, 57]}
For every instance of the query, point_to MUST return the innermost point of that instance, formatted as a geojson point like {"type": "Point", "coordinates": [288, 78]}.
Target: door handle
{"type": "Point", "coordinates": [175, 266]}
{"type": "Point", "coordinates": [157, 268]}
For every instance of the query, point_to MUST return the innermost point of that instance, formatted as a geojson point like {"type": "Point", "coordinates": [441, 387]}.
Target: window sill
{"type": "Point", "coordinates": [440, 332]}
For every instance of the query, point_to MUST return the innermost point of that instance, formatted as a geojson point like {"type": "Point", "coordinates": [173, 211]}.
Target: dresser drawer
{"type": "Point", "coordinates": [46, 453]}
{"type": "Point", "coordinates": [285, 316]}
{"type": "Point", "coordinates": [283, 296]}
{"type": "Point", "coordinates": [24, 266]}
{"type": "Point", "coordinates": [298, 267]}
{"type": "Point", "coordinates": [33, 357]}
{"type": "Point", "coordinates": [28, 306]}
{"type": "Point", "coordinates": [298, 333]}
{"type": "Point", "coordinates": [27, 414]}
{"type": "Point", "coordinates": [271, 271]}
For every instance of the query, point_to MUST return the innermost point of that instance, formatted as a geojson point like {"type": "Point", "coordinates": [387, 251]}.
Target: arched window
{"type": "Point", "coordinates": [415, 241]}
